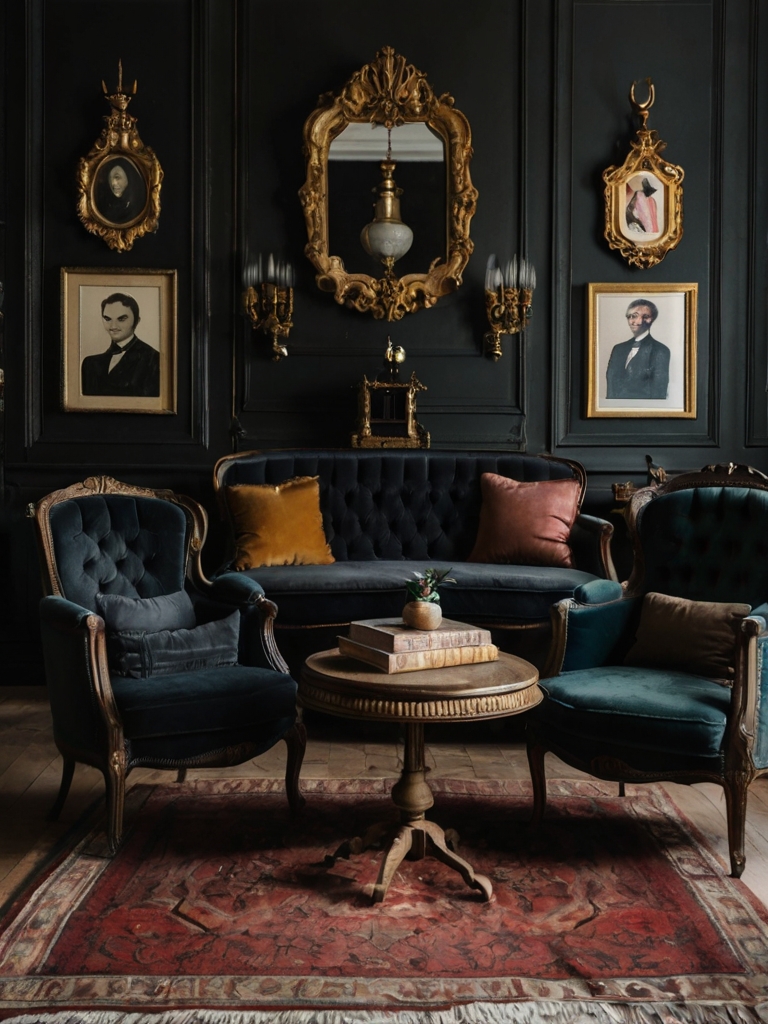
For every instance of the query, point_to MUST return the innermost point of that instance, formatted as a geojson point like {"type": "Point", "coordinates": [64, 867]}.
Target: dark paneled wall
{"type": "Point", "coordinates": [223, 91]}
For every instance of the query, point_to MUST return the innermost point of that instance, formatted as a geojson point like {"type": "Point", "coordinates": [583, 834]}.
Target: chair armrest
{"type": "Point", "coordinates": [590, 541]}
{"type": "Point", "coordinates": [83, 706]}
{"type": "Point", "coordinates": [257, 637]}
{"type": "Point", "coordinates": [590, 635]}
{"type": "Point", "coordinates": [234, 588]}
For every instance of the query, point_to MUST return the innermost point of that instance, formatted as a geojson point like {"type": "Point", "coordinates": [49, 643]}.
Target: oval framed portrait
{"type": "Point", "coordinates": [119, 193]}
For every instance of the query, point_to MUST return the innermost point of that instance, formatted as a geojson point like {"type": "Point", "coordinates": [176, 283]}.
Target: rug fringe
{"type": "Point", "coordinates": [470, 1013]}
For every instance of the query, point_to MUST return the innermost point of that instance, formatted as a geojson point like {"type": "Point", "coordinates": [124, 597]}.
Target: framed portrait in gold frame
{"type": "Point", "coordinates": [641, 351]}
{"type": "Point", "coordinates": [118, 340]}
{"type": "Point", "coordinates": [118, 182]}
{"type": "Point", "coordinates": [644, 197]}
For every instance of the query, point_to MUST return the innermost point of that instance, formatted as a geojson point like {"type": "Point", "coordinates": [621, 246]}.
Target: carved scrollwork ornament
{"type": "Point", "coordinates": [390, 92]}
{"type": "Point", "coordinates": [119, 181]}
{"type": "Point", "coordinates": [644, 197]}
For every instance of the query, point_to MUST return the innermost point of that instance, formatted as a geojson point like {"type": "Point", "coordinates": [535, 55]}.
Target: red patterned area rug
{"type": "Point", "coordinates": [221, 901]}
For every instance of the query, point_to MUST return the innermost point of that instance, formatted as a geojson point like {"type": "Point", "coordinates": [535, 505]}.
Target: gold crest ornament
{"type": "Point", "coordinates": [644, 197]}
{"type": "Point", "coordinates": [118, 182]}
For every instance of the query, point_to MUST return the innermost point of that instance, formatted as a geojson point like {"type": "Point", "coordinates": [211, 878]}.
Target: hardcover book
{"type": "Point", "coordinates": [393, 636]}
{"type": "Point", "coordinates": [413, 661]}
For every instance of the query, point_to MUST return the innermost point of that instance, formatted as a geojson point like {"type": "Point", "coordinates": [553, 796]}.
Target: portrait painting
{"type": "Point", "coordinates": [641, 350]}
{"type": "Point", "coordinates": [119, 192]}
{"type": "Point", "coordinates": [118, 340]}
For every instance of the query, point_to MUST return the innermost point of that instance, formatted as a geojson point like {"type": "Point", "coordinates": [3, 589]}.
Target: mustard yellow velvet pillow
{"type": "Point", "coordinates": [526, 523]}
{"type": "Point", "coordinates": [687, 636]}
{"type": "Point", "coordinates": [278, 524]}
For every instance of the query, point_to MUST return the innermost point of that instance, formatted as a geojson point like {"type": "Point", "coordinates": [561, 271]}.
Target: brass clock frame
{"type": "Point", "coordinates": [119, 141]}
{"type": "Point", "coordinates": [391, 92]}
{"type": "Point", "coordinates": [644, 157]}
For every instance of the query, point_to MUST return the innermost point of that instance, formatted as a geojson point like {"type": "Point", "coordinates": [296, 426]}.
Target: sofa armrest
{"type": "Point", "coordinates": [590, 541]}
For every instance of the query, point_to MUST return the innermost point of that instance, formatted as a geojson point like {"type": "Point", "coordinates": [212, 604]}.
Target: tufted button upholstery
{"type": "Point", "coordinates": [118, 544]}
{"type": "Point", "coordinates": [706, 544]}
{"type": "Point", "coordinates": [398, 504]}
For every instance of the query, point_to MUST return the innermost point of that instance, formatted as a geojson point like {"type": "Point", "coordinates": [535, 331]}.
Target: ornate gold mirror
{"type": "Point", "coordinates": [386, 126]}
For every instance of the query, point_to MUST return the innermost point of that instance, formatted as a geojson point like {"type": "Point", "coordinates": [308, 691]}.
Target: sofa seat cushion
{"type": "Point", "coordinates": [232, 697]}
{"type": "Point", "coordinates": [339, 593]}
{"type": "Point", "coordinates": [636, 708]}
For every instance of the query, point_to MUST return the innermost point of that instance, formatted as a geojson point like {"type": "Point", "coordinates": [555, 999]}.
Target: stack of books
{"type": "Point", "coordinates": [390, 645]}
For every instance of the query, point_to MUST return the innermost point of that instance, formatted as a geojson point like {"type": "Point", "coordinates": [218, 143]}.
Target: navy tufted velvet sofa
{"type": "Point", "coordinates": [389, 512]}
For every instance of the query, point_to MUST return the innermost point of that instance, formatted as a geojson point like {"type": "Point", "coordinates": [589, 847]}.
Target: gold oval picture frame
{"type": "Point", "coordinates": [119, 181]}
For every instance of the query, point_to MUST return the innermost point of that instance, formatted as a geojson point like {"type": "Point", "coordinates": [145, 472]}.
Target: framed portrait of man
{"type": "Point", "coordinates": [118, 340]}
{"type": "Point", "coordinates": [641, 350]}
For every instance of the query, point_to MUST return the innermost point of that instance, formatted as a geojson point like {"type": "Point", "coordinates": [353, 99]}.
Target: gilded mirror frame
{"type": "Point", "coordinates": [391, 92]}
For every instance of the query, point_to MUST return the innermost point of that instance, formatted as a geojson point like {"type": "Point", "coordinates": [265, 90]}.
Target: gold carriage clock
{"type": "Point", "coordinates": [386, 408]}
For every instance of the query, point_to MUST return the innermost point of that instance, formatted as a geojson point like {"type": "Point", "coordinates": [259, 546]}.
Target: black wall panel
{"type": "Point", "coordinates": [311, 395]}
{"type": "Point", "coordinates": [224, 87]}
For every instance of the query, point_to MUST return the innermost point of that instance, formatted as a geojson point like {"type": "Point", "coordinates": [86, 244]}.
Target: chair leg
{"type": "Point", "coordinates": [296, 741]}
{"type": "Point", "coordinates": [622, 791]}
{"type": "Point", "coordinates": [115, 781]}
{"type": "Point", "coordinates": [536, 754]}
{"type": "Point", "coordinates": [67, 772]}
{"type": "Point", "coordinates": [181, 774]}
{"type": "Point", "coordinates": [736, 787]}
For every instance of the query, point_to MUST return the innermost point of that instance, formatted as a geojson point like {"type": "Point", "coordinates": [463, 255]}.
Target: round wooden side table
{"type": "Point", "coordinates": [342, 686]}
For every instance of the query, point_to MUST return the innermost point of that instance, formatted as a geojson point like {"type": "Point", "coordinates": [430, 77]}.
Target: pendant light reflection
{"type": "Point", "coordinates": [387, 238]}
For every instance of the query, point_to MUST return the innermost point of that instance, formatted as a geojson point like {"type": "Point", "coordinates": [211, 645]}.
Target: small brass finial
{"type": "Point", "coordinates": [394, 355]}
{"type": "Point", "coordinates": [642, 109]}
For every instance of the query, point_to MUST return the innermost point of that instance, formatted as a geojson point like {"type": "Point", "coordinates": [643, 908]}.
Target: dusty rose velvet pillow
{"type": "Point", "coordinates": [525, 523]}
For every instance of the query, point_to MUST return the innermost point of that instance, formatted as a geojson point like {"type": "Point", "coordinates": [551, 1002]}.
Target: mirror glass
{"type": "Point", "coordinates": [354, 174]}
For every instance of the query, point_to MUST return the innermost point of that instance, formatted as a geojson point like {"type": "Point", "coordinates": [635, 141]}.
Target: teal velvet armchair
{"type": "Point", "coordinates": [147, 662]}
{"type": "Point", "coordinates": [666, 677]}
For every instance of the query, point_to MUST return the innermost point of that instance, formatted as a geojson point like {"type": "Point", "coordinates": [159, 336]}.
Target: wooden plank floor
{"type": "Point", "coordinates": [30, 768]}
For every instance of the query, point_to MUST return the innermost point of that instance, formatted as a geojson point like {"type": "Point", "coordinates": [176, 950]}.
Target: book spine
{"type": "Point", "coordinates": [418, 640]}
{"type": "Point", "coordinates": [413, 661]}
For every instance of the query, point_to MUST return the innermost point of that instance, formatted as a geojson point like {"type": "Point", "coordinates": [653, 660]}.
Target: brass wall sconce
{"type": "Point", "coordinates": [386, 408]}
{"type": "Point", "coordinates": [508, 300]}
{"type": "Point", "coordinates": [268, 301]}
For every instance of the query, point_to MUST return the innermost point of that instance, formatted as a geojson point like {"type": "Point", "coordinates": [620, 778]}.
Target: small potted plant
{"type": "Point", "coordinates": [423, 610]}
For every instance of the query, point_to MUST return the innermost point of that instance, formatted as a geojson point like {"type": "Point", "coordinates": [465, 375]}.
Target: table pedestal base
{"type": "Point", "coordinates": [414, 837]}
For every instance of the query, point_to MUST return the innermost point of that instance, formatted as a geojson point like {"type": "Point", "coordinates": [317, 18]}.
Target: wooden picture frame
{"type": "Point", "coordinates": [658, 379]}
{"type": "Point", "coordinates": [141, 318]}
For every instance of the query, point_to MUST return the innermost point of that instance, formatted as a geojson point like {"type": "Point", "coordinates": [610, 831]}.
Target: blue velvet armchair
{"type": "Point", "coordinates": [193, 707]}
{"type": "Point", "coordinates": [661, 714]}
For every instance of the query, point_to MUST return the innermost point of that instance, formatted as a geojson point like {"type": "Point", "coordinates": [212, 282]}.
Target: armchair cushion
{"type": "Point", "coordinates": [689, 636]}
{"type": "Point", "coordinates": [193, 706]}
{"type": "Point", "coordinates": [664, 712]}
{"type": "Point", "coordinates": [166, 611]}
{"type": "Point", "coordinates": [278, 524]}
{"type": "Point", "coordinates": [525, 523]}
{"type": "Point", "coordinates": [139, 653]}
